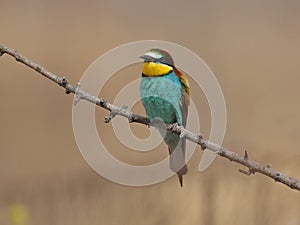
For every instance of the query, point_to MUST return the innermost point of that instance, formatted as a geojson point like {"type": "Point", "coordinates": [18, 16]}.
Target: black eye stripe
{"type": "Point", "coordinates": [165, 61]}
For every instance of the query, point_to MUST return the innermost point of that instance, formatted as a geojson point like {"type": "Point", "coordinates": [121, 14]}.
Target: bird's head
{"type": "Point", "coordinates": [157, 62]}
{"type": "Point", "coordinates": [157, 55]}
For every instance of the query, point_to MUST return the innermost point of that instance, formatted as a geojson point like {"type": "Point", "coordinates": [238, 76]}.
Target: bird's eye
{"type": "Point", "coordinates": [160, 59]}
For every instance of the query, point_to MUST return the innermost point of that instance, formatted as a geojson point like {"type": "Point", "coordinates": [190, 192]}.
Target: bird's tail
{"type": "Point", "coordinates": [177, 161]}
{"type": "Point", "coordinates": [180, 174]}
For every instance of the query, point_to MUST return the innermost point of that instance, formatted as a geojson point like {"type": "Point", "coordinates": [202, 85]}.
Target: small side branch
{"type": "Point", "coordinates": [249, 171]}
{"type": "Point", "coordinates": [253, 167]}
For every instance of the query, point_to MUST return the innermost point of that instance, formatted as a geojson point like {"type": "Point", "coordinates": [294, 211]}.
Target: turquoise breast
{"type": "Point", "coordinates": [161, 96]}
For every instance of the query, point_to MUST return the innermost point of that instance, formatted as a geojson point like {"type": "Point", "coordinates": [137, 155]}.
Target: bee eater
{"type": "Point", "coordinates": [165, 94]}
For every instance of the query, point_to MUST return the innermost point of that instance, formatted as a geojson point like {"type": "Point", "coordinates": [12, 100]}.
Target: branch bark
{"type": "Point", "coordinates": [253, 167]}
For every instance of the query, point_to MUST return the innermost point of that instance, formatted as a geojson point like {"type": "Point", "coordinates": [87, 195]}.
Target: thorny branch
{"type": "Point", "coordinates": [253, 167]}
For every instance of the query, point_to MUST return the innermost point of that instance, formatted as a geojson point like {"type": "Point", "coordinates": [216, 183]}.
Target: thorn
{"type": "Point", "coordinates": [113, 113]}
{"type": "Point", "coordinates": [244, 172]}
{"type": "Point", "coordinates": [246, 155]}
{"type": "Point", "coordinates": [248, 173]}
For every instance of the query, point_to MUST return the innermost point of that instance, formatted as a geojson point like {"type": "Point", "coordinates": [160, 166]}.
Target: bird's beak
{"type": "Point", "coordinates": [147, 58]}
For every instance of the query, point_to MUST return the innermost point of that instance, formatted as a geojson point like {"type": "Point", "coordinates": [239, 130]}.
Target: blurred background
{"type": "Point", "coordinates": [251, 46]}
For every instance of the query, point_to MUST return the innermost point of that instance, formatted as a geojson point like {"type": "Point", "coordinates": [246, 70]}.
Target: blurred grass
{"type": "Point", "coordinates": [18, 214]}
{"type": "Point", "coordinates": [253, 49]}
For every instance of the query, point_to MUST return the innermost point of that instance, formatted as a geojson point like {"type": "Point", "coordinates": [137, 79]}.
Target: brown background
{"type": "Point", "coordinates": [252, 47]}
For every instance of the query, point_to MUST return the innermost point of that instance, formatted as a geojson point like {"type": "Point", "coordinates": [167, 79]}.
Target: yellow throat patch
{"type": "Point", "coordinates": [155, 69]}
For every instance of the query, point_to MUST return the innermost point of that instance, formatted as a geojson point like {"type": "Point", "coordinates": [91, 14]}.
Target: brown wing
{"type": "Point", "coordinates": [184, 104]}
{"type": "Point", "coordinates": [185, 100]}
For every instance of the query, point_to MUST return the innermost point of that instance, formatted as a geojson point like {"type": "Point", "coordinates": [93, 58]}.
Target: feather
{"type": "Point", "coordinates": [184, 103]}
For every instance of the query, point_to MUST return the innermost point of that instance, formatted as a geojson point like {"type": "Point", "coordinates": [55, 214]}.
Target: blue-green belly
{"type": "Point", "coordinates": [161, 97]}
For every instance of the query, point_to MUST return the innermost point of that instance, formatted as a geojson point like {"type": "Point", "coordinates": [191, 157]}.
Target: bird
{"type": "Point", "coordinates": [165, 95]}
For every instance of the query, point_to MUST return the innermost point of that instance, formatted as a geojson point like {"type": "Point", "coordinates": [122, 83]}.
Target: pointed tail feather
{"type": "Point", "coordinates": [177, 163]}
{"type": "Point", "coordinates": [180, 174]}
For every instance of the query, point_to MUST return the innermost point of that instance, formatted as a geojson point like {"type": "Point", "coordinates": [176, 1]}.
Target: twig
{"type": "Point", "coordinates": [253, 167]}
